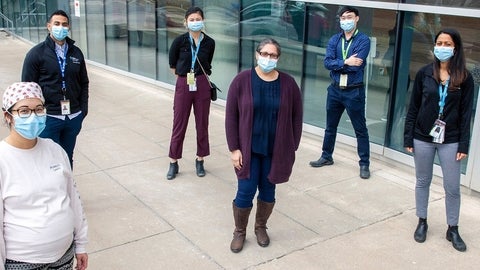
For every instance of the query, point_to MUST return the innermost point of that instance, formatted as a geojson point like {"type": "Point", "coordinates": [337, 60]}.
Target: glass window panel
{"type": "Point", "coordinates": [447, 3]}
{"type": "Point", "coordinates": [281, 20]}
{"type": "Point", "coordinates": [322, 23]}
{"type": "Point", "coordinates": [170, 24]}
{"type": "Point", "coordinates": [219, 19]}
{"type": "Point", "coordinates": [116, 33]}
{"type": "Point", "coordinates": [417, 45]}
{"type": "Point", "coordinates": [96, 31]}
{"type": "Point", "coordinates": [142, 37]}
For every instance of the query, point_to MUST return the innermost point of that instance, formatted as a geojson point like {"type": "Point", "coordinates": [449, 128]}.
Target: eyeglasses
{"type": "Point", "coordinates": [25, 112]}
{"type": "Point", "coordinates": [271, 55]}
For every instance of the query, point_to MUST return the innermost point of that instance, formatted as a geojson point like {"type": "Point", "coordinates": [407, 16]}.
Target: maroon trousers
{"type": "Point", "coordinates": [182, 104]}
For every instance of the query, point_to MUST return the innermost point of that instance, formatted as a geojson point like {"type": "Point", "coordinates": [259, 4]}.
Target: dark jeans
{"type": "Point", "coordinates": [259, 169]}
{"type": "Point", "coordinates": [353, 101]}
{"type": "Point", "coordinates": [64, 132]}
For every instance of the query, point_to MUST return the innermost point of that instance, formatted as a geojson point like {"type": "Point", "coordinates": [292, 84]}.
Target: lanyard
{"type": "Point", "coordinates": [195, 51]}
{"type": "Point", "coordinates": [62, 62]}
{"type": "Point", "coordinates": [345, 52]}
{"type": "Point", "coordinates": [443, 92]}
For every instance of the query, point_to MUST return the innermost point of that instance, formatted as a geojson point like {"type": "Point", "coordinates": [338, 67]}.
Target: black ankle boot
{"type": "Point", "coordinates": [420, 234]}
{"type": "Point", "coordinates": [199, 168]}
{"type": "Point", "coordinates": [454, 237]}
{"type": "Point", "coordinates": [172, 170]}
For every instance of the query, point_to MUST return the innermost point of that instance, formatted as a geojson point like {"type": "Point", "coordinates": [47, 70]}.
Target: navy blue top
{"type": "Point", "coordinates": [360, 45]}
{"type": "Point", "coordinates": [266, 102]}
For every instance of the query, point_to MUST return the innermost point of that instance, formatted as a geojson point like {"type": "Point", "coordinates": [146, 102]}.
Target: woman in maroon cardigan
{"type": "Point", "coordinates": [263, 124]}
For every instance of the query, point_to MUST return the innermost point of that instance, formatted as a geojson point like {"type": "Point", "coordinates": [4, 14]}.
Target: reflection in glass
{"type": "Point", "coordinates": [96, 31]}
{"type": "Point", "coordinates": [116, 34]}
{"type": "Point", "coordinates": [141, 38]}
{"type": "Point", "coordinates": [378, 25]}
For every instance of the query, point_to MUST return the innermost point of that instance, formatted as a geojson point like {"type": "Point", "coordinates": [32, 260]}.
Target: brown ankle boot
{"type": "Point", "coordinates": [264, 210]}
{"type": "Point", "coordinates": [240, 215]}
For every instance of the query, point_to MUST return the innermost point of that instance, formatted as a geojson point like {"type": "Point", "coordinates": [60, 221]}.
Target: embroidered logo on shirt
{"type": "Point", "coordinates": [74, 60]}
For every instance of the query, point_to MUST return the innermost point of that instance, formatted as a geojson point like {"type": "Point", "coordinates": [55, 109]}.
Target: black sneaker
{"type": "Point", "coordinates": [321, 162]}
{"type": "Point", "coordinates": [364, 172]}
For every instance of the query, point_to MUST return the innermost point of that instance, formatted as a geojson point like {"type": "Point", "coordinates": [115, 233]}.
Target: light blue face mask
{"type": "Point", "coordinates": [347, 25]}
{"type": "Point", "coordinates": [59, 32]}
{"type": "Point", "coordinates": [30, 127]}
{"type": "Point", "coordinates": [195, 26]}
{"type": "Point", "coordinates": [266, 64]}
{"type": "Point", "coordinates": [443, 53]}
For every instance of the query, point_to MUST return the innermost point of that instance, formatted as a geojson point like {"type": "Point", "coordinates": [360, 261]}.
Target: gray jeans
{"type": "Point", "coordinates": [424, 157]}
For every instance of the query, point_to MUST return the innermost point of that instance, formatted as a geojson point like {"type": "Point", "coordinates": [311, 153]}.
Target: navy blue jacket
{"type": "Point", "coordinates": [423, 110]}
{"type": "Point", "coordinates": [360, 45]}
{"type": "Point", "coordinates": [41, 66]}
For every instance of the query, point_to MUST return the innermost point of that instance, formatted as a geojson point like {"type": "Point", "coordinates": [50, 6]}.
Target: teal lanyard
{"type": "Point", "coordinates": [195, 51]}
{"type": "Point", "coordinates": [443, 92]}
{"type": "Point", "coordinates": [345, 52]}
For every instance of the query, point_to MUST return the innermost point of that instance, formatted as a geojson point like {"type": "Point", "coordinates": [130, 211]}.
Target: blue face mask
{"type": "Point", "coordinates": [347, 25]}
{"type": "Point", "coordinates": [30, 127]}
{"type": "Point", "coordinates": [443, 53]}
{"type": "Point", "coordinates": [266, 64]}
{"type": "Point", "coordinates": [195, 26]}
{"type": "Point", "coordinates": [59, 32]}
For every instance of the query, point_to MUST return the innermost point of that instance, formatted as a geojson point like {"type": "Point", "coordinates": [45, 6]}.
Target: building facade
{"type": "Point", "coordinates": [134, 36]}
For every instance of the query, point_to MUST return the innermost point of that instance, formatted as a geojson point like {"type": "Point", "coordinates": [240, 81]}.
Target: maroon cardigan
{"type": "Point", "coordinates": [239, 122]}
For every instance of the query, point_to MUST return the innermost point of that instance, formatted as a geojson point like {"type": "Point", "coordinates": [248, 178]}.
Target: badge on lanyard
{"type": "Point", "coordinates": [65, 105]}
{"type": "Point", "coordinates": [343, 80]}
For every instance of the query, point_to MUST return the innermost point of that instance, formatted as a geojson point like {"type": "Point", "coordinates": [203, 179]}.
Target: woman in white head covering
{"type": "Point", "coordinates": [43, 223]}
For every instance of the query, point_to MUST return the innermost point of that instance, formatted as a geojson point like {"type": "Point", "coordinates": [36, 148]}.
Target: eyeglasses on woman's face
{"type": "Point", "coordinates": [266, 54]}
{"type": "Point", "coordinates": [25, 111]}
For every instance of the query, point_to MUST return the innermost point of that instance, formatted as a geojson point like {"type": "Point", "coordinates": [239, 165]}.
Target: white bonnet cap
{"type": "Point", "coordinates": [19, 91]}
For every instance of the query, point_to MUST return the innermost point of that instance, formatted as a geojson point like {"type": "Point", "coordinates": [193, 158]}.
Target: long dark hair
{"type": "Point", "coordinates": [457, 67]}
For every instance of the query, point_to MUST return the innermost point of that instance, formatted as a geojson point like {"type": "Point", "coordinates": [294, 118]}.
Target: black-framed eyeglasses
{"type": "Point", "coordinates": [271, 55]}
{"type": "Point", "coordinates": [25, 111]}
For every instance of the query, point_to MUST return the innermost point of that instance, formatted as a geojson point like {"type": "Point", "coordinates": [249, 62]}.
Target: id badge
{"type": "Point", "coordinates": [192, 88]}
{"type": "Point", "coordinates": [343, 80]}
{"type": "Point", "coordinates": [190, 78]}
{"type": "Point", "coordinates": [438, 131]}
{"type": "Point", "coordinates": [65, 105]}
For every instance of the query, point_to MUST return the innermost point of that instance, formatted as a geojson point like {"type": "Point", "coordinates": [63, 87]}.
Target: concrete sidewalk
{"type": "Point", "coordinates": [324, 218]}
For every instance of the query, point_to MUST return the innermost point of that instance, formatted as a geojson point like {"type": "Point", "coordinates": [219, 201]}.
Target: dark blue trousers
{"type": "Point", "coordinates": [353, 101]}
{"type": "Point", "coordinates": [63, 132]}
{"type": "Point", "coordinates": [247, 188]}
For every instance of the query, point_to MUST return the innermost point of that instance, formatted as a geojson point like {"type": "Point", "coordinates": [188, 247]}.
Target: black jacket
{"type": "Point", "coordinates": [424, 109]}
{"type": "Point", "coordinates": [180, 55]}
{"type": "Point", "coordinates": [41, 66]}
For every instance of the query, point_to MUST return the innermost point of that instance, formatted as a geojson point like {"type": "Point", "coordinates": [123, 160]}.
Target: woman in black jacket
{"type": "Point", "coordinates": [190, 57]}
{"type": "Point", "coordinates": [438, 121]}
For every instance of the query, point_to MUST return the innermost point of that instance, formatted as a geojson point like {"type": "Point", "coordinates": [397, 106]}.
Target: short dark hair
{"type": "Point", "coordinates": [192, 10]}
{"type": "Point", "coordinates": [61, 13]}
{"type": "Point", "coordinates": [348, 9]}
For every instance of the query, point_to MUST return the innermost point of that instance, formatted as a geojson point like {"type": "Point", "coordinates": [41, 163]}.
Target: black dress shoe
{"type": "Point", "coordinates": [172, 170]}
{"type": "Point", "coordinates": [364, 172]}
{"type": "Point", "coordinates": [454, 237]}
{"type": "Point", "coordinates": [420, 234]}
{"type": "Point", "coordinates": [321, 162]}
{"type": "Point", "coordinates": [199, 168]}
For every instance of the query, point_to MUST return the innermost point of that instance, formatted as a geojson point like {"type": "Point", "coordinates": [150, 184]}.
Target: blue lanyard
{"type": "Point", "coordinates": [195, 51]}
{"type": "Point", "coordinates": [443, 92]}
{"type": "Point", "coordinates": [62, 64]}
